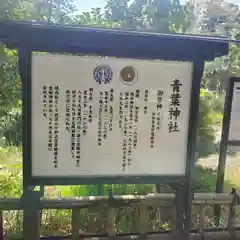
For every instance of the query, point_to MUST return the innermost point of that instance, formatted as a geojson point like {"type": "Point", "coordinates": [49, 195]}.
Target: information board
{"type": "Point", "coordinates": [234, 125]}
{"type": "Point", "coordinates": [93, 116]}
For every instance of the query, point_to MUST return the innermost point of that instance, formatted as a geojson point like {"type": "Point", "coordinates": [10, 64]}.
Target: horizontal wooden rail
{"type": "Point", "coordinates": [118, 201]}
{"type": "Point", "coordinates": [200, 201]}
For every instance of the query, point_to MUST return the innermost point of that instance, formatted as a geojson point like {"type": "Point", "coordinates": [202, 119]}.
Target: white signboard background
{"type": "Point", "coordinates": [168, 157]}
{"type": "Point", "coordinates": [234, 129]}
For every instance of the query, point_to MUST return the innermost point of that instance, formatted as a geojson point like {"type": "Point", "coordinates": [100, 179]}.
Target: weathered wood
{"type": "Point", "coordinates": [75, 223]}
{"type": "Point", "coordinates": [111, 223]}
{"type": "Point", "coordinates": [31, 225]}
{"type": "Point", "coordinates": [201, 221]}
{"type": "Point", "coordinates": [127, 200]}
{"type": "Point", "coordinates": [140, 202]}
{"type": "Point", "coordinates": [1, 226]}
{"type": "Point", "coordinates": [231, 218]}
{"type": "Point", "coordinates": [178, 230]}
{"type": "Point", "coordinates": [207, 236]}
{"type": "Point", "coordinates": [30, 201]}
{"type": "Point", "coordinates": [143, 220]}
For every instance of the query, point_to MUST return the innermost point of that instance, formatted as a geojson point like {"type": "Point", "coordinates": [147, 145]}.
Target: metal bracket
{"type": "Point", "coordinates": [30, 199]}
{"type": "Point", "coordinates": [110, 197]}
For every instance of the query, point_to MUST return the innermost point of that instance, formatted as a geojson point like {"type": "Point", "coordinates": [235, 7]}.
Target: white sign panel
{"type": "Point", "coordinates": [234, 129]}
{"type": "Point", "coordinates": [108, 117]}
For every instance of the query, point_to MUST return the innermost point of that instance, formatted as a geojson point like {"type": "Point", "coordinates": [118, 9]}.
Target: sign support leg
{"type": "Point", "coordinates": [186, 190]}
{"type": "Point", "coordinates": [183, 212]}
{"type": "Point", "coordinates": [188, 197]}
{"type": "Point", "coordinates": [41, 192]}
{"type": "Point", "coordinates": [179, 228]}
{"type": "Point", "coordinates": [31, 220]}
{"type": "Point", "coordinates": [223, 151]}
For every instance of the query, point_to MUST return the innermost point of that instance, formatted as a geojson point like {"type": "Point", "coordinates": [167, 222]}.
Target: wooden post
{"type": "Point", "coordinates": [232, 216]}
{"type": "Point", "coordinates": [31, 225]}
{"type": "Point", "coordinates": [223, 151]}
{"type": "Point", "coordinates": [75, 223]}
{"type": "Point", "coordinates": [111, 222]}
{"type": "Point", "coordinates": [201, 221]}
{"type": "Point", "coordinates": [173, 219]}
{"type": "Point", "coordinates": [1, 226]}
{"type": "Point", "coordinates": [31, 219]}
{"type": "Point", "coordinates": [179, 228]}
{"type": "Point", "coordinates": [143, 221]}
{"type": "Point", "coordinates": [111, 216]}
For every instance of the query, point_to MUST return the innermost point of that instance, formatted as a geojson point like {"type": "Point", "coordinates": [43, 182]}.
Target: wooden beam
{"type": "Point", "coordinates": [159, 200]}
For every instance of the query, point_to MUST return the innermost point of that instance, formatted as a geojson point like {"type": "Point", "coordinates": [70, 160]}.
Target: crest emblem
{"type": "Point", "coordinates": [128, 75]}
{"type": "Point", "coordinates": [103, 74]}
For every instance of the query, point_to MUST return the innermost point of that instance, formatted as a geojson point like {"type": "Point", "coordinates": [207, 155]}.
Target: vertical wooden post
{"type": "Point", "coordinates": [1, 225]}
{"type": "Point", "coordinates": [179, 228]}
{"type": "Point", "coordinates": [201, 221]}
{"type": "Point", "coordinates": [231, 220]}
{"type": "Point", "coordinates": [31, 218]}
{"type": "Point", "coordinates": [31, 225]}
{"type": "Point", "coordinates": [75, 223]}
{"type": "Point", "coordinates": [111, 216]}
{"type": "Point", "coordinates": [143, 221]}
{"type": "Point", "coordinates": [173, 219]}
{"type": "Point", "coordinates": [223, 150]}
{"type": "Point", "coordinates": [232, 216]}
{"type": "Point", "coordinates": [111, 222]}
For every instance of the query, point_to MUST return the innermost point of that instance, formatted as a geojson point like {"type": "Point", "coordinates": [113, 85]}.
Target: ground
{"type": "Point", "coordinates": [232, 172]}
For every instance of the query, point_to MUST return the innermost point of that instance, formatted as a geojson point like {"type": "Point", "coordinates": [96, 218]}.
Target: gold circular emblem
{"type": "Point", "coordinates": [128, 74]}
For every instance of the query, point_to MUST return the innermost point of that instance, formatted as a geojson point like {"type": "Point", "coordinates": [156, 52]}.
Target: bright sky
{"type": "Point", "coordinates": [86, 5]}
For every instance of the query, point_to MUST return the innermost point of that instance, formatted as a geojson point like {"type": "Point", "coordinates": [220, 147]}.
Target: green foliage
{"type": "Point", "coordinates": [57, 11]}
{"type": "Point", "coordinates": [138, 14]}
{"type": "Point", "coordinates": [10, 104]}
{"type": "Point", "coordinates": [208, 119]}
{"type": "Point", "coordinates": [11, 126]}
{"type": "Point", "coordinates": [9, 80]}
{"type": "Point", "coordinates": [159, 16]}
{"type": "Point", "coordinates": [205, 180]}
{"type": "Point", "coordinates": [58, 221]}
{"type": "Point", "coordinates": [7, 8]}
{"type": "Point", "coordinates": [95, 18]}
{"type": "Point", "coordinates": [11, 172]}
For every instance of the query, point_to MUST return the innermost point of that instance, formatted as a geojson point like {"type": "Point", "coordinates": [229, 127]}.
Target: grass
{"type": "Point", "coordinates": [10, 167]}
{"type": "Point", "coordinates": [232, 173]}
{"type": "Point", "coordinates": [58, 221]}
